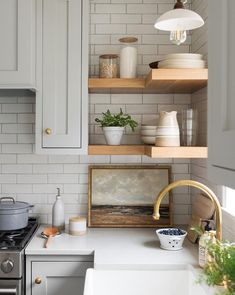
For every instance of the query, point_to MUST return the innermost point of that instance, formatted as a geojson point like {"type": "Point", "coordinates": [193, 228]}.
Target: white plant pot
{"type": "Point", "coordinates": [113, 135]}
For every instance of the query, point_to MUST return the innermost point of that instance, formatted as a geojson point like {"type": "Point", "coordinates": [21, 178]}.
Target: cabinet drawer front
{"type": "Point", "coordinates": [61, 73]}
{"type": "Point", "coordinates": [59, 278]}
{"type": "Point", "coordinates": [17, 49]}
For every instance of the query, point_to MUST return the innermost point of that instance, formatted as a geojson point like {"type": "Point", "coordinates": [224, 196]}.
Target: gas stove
{"type": "Point", "coordinates": [16, 240]}
{"type": "Point", "coordinates": [12, 258]}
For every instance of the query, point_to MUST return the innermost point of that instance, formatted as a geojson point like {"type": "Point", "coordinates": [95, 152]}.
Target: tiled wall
{"type": "Point", "coordinates": [113, 19]}
{"type": "Point", "coordinates": [34, 178]}
{"type": "Point", "coordinates": [199, 101]}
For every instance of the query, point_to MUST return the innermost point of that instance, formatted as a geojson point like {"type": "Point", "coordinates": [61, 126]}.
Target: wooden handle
{"type": "Point", "coordinates": [47, 241]}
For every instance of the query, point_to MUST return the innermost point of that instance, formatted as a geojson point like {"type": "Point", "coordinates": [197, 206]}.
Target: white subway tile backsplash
{"type": "Point", "coordinates": [141, 109]}
{"type": "Point", "coordinates": [142, 8]}
{"type": "Point", "coordinates": [125, 18]}
{"type": "Point", "coordinates": [47, 168]}
{"type": "Point", "coordinates": [126, 99]}
{"type": "Point", "coordinates": [8, 118]}
{"type": "Point", "coordinates": [63, 178]}
{"type": "Point", "coordinates": [17, 148]}
{"type": "Point", "coordinates": [110, 29]}
{"type": "Point", "coordinates": [31, 159]}
{"type": "Point", "coordinates": [16, 188]}
{"type": "Point", "coordinates": [19, 168]}
{"type": "Point", "coordinates": [31, 178]}
{"type": "Point", "coordinates": [110, 8]}
{"type": "Point", "coordinates": [7, 159]}
{"type": "Point", "coordinates": [6, 178]}
{"type": "Point", "coordinates": [8, 138]}
{"type": "Point", "coordinates": [16, 108]}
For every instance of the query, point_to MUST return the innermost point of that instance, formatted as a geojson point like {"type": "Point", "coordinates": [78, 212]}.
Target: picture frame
{"type": "Point", "coordinates": [123, 196]}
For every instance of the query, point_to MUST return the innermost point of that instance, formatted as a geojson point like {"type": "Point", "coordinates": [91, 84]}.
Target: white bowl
{"type": "Point", "coordinates": [148, 139]}
{"type": "Point", "coordinates": [178, 56]}
{"type": "Point", "coordinates": [171, 242]}
{"type": "Point", "coordinates": [182, 64]}
{"type": "Point", "coordinates": [148, 127]}
{"type": "Point", "coordinates": [148, 132]}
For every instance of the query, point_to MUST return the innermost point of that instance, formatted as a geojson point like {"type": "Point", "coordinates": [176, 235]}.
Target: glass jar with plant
{"type": "Point", "coordinates": [113, 126]}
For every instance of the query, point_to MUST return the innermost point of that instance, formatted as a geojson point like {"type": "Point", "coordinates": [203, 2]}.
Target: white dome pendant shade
{"type": "Point", "coordinates": [178, 21]}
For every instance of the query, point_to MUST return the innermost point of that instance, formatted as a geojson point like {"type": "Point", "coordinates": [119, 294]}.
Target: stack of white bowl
{"type": "Point", "coordinates": [168, 133]}
{"type": "Point", "coordinates": [148, 134]}
{"type": "Point", "coordinates": [182, 61]}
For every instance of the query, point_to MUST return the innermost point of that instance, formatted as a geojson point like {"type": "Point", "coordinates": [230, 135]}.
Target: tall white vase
{"type": "Point", "coordinates": [168, 133]}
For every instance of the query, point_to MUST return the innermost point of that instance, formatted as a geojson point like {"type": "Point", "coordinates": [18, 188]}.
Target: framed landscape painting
{"type": "Point", "coordinates": [123, 196]}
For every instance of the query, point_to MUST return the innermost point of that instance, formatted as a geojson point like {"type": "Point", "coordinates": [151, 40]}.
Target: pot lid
{"type": "Point", "coordinates": [8, 203]}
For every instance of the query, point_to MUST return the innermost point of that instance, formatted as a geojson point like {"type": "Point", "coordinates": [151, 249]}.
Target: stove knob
{"type": "Point", "coordinates": [7, 266]}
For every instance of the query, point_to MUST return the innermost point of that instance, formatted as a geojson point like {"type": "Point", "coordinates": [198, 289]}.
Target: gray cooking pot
{"type": "Point", "coordinates": [13, 215]}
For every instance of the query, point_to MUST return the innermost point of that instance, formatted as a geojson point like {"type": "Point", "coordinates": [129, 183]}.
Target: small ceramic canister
{"type": "Point", "coordinates": [77, 226]}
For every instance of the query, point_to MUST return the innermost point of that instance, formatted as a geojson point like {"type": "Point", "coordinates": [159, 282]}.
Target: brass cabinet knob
{"type": "Point", "coordinates": [38, 281]}
{"type": "Point", "coordinates": [48, 131]}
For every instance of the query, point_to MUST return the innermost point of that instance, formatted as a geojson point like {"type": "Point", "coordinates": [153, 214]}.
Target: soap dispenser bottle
{"type": "Point", "coordinates": [203, 242]}
{"type": "Point", "coordinates": [58, 219]}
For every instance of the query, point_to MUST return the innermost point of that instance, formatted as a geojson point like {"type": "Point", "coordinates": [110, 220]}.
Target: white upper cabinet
{"type": "Point", "coordinates": [62, 75]}
{"type": "Point", "coordinates": [17, 30]}
{"type": "Point", "coordinates": [222, 92]}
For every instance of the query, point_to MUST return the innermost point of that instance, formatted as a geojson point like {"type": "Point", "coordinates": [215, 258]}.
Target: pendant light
{"type": "Point", "coordinates": [178, 21]}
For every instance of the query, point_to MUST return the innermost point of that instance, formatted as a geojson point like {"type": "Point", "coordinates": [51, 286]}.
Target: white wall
{"type": "Point", "coordinates": [34, 178]}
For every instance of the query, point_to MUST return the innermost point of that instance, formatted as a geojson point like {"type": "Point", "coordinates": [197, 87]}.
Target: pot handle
{"type": "Point", "coordinates": [7, 198]}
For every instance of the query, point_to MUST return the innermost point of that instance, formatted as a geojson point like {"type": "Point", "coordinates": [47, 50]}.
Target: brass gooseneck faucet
{"type": "Point", "coordinates": [200, 186]}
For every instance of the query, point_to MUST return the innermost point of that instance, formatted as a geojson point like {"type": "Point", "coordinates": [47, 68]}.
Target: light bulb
{"type": "Point", "coordinates": [178, 37]}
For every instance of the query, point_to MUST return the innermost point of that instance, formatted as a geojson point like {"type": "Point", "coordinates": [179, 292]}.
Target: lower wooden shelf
{"type": "Point", "coordinates": [116, 150]}
{"type": "Point", "coordinates": [151, 151]}
{"type": "Point", "coordinates": [176, 152]}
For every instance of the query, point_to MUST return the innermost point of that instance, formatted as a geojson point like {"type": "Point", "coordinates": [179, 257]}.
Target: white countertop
{"type": "Point", "coordinates": [116, 248]}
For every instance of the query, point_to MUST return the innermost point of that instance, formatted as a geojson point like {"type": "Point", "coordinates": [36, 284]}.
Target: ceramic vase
{"type": "Point", "coordinates": [168, 133]}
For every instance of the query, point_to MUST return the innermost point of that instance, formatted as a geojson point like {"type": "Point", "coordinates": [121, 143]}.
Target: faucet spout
{"type": "Point", "coordinates": [200, 186]}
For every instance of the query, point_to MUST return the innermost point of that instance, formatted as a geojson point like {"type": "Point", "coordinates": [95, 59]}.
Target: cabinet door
{"type": "Point", "coordinates": [17, 43]}
{"type": "Point", "coordinates": [59, 278]}
{"type": "Point", "coordinates": [222, 92]}
{"type": "Point", "coordinates": [62, 74]}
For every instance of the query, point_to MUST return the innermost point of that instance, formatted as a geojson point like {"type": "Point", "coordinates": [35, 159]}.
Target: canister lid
{"type": "Point", "coordinates": [128, 40]}
{"type": "Point", "coordinates": [109, 56]}
{"type": "Point", "coordinates": [77, 219]}
{"type": "Point", "coordinates": [8, 203]}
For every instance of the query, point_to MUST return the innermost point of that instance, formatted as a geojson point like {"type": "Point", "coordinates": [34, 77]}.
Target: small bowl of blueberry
{"type": "Point", "coordinates": [171, 238]}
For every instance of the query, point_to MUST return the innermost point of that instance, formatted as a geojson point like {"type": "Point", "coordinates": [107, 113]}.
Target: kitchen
{"type": "Point", "coordinates": [48, 52]}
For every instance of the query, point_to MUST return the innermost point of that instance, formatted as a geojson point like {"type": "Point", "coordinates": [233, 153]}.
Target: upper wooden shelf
{"type": "Point", "coordinates": [102, 83]}
{"type": "Point", "coordinates": [158, 81]}
{"type": "Point", "coordinates": [148, 150]}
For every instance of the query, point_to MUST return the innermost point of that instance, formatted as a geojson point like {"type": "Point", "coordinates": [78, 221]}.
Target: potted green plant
{"type": "Point", "coordinates": [113, 126]}
{"type": "Point", "coordinates": [220, 269]}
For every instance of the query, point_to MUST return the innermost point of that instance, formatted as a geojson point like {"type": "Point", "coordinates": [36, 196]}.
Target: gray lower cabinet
{"type": "Point", "coordinates": [60, 275]}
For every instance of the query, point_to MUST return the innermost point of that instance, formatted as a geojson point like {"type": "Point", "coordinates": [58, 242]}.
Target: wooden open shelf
{"type": "Point", "coordinates": [176, 152]}
{"type": "Point", "coordinates": [116, 150]}
{"type": "Point", "coordinates": [151, 151]}
{"type": "Point", "coordinates": [158, 81]}
{"type": "Point", "coordinates": [102, 83]}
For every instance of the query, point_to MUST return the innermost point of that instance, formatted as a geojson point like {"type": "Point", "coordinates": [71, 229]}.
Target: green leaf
{"type": "Point", "coordinates": [116, 120]}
